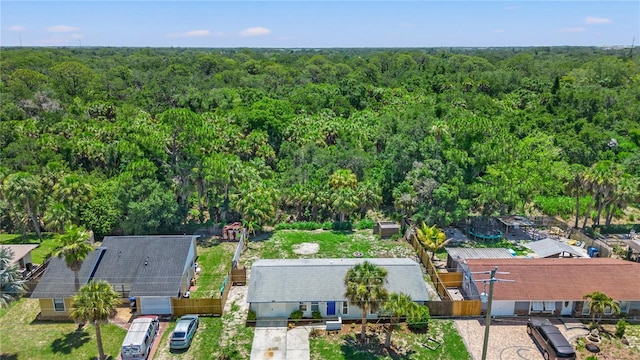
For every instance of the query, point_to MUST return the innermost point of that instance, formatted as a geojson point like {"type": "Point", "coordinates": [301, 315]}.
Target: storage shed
{"type": "Point", "coordinates": [386, 229]}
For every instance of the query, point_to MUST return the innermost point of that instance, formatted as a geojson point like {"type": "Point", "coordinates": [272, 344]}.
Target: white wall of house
{"type": "Point", "coordinates": [280, 310]}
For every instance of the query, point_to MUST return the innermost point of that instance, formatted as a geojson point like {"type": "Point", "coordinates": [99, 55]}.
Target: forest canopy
{"type": "Point", "coordinates": [146, 141]}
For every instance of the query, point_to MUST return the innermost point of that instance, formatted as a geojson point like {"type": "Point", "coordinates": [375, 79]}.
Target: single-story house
{"type": "Point", "coordinates": [152, 269]}
{"type": "Point", "coordinates": [21, 255]}
{"type": "Point", "coordinates": [456, 255]}
{"type": "Point", "coordinates": [279, 287]}
{"type": "Point", "coordinates": [550, 248]}
{"type": "Point", "coordinates": [552, 286]}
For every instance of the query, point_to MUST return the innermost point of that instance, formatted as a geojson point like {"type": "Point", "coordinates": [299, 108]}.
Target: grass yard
{"type": "Point", "coordinates": [22, 337]}
{"type": "Point", "coordinates": [405, 344]}
{"type": "Point", "coordinates": [332, 244]}
{"type": "Point", "coordinates": [39, 254]}
{"type": "Point", "coordinates": [215, 261]}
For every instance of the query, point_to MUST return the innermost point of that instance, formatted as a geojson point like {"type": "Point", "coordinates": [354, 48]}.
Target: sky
{"type": "Point", "coordinates": [319, 24]}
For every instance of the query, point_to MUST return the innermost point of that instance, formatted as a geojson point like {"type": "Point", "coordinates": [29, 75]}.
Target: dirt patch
{"type": "Point", "coordinates": [123, 317]}
{"type": "Point", "coordinates": [306, 248]}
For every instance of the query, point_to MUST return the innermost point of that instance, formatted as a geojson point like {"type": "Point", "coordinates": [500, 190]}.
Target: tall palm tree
{"type": "Point", "coordinates": [96, 303]}
{"type": "Point", "coordinates": [23, 189]}
{"type": "Point", "coordinates": [432, 238]}
{"type": "Point", "coordinates": [439, 129]}
{"type": "Point", "coordinates": [365, 287]}
{"type": "Point", "coordinates": [73, 191]}
{"type": "Point", "coordinates": [598, 302]}
{"type": "Point", "coordinates": [575, 187]}
{"type": "Point", "coordinates": [398, 305]}
{"type": "Point", "coordinates": [11, 283]}
{"type": "Point", "coordinates": [74, 249]}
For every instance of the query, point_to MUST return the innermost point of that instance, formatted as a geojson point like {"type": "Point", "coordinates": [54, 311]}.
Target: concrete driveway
{"type": "Point", "coordinates": [279, 343]}
{"type": "Point", "coordinates": [508, 338]}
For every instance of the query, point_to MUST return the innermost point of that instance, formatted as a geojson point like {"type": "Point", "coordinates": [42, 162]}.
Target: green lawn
{"type": "Point", "coordinates": [39, 254]}
{"type": "Point", "coordinates": [332, 244]}
{"type": "Point", "coordinates": [22, 337]}
{"type": "Point", "coordinates": [405, 345]}
{"type": "Point", "coordinates": [215, 262]}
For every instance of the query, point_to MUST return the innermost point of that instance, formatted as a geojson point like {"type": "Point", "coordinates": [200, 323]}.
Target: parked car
{"type": "Point", "coordinates": [138, 342]}
{"type": "Point", "coordinates": [183, 333]}
{"type": "Point", "coordinates": [553, 344]}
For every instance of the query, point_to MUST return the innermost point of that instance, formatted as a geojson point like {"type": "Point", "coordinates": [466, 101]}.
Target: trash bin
{"type": "Point", "coordinates": [593, 251]}
{"type": "Point", "coordinates": [133, 304]}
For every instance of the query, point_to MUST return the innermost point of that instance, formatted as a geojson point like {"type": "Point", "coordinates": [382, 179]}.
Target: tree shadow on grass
{"type": "Point", "coordinates": [352, 348]}
{"type": "Point", "coordinates": [5, 356]}
{"type": "Point", "coordinates": [70, 341]}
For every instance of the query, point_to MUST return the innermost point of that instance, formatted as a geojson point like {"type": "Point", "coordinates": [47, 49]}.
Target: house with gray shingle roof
{"type": "Point", "coordinates": [153, 269]}
{"type": "Point", "coordinates": [279, 287]}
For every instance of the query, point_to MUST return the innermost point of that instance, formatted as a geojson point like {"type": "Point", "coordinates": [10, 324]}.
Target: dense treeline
{"type": "Point", "coordinates": [148, 140]}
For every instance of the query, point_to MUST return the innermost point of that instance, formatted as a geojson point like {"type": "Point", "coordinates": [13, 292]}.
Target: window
{"type": "Point", "coordinates": [302, 306]}
{"type": "Point", "coordinates": [607, 310]}
{"type": "Point", "coordinates": [624, 307]}
{"type": "Point", "coordinates": [58, 305]}
{"type": "Point", "coordinates": [585, 308]}
{"type": "Point", "coordinates": [550, 306]}
{"type": "Point", "coordinates": [345, 308]}
{"type": "Point", "coordinates": [314, 306]}
{"type": "Point", "coordinates": [537, 306]}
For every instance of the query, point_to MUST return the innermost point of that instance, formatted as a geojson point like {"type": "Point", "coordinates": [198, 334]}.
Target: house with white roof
{"type": "Point", "coordinates": [279, 287]}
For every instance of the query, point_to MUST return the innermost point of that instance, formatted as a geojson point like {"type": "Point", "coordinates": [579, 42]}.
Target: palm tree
{"type": "Point", "coordinates": [74, 249]}
{"type": "Point", "coordinates": [24, 189]}
{"type": "Point", "coordinates": [96, 303]}
{"type": "Point", "coordinates": [398, 305]}
{"type": "Point", "coordinates": [575, 187]}
{"type": "Point", "coordinates": [598, 302]}
{"type": "Point", "coordinates": [365, 288]}
{"type": "Point", "coordinates": [72, 191]}
{"type": "Point", "coordinates": [11, 283]}
{"type": "Point", "coordinates": [439, 129]}
{"type": "Point", "coordinates": [432, 238]}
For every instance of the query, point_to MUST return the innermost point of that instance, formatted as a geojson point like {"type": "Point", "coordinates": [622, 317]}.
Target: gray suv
{"type": "Point", "coordinates": [553, 344]}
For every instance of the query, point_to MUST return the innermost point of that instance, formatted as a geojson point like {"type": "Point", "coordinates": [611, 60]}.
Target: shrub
{"type": "Point", "coordinates": [315, 333]}
{"type": "Point", "coordinates": [251, 316]}
{"type": "Point", "coordinates": [621, 327]}
{"type": "Point", "coordinates": [296, 315]}
{"type": "Point", "coordinates": [316, 315]}
{"type": "Point", "coordinates": [342, 226]}
{"type": "Point", "coordinates": [365, 224]}
{"type": "Point", "coordinates": [419, 323]}
{"type": "Point", "coordinates": [327, 225]}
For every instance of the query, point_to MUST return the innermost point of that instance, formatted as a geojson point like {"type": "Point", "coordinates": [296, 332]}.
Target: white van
{"type": "Point", "coordinates": [139, 340]}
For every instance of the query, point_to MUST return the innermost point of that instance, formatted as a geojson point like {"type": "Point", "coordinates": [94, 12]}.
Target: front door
{"type": "Point", "coordinates": [567, 308]}
{"type": "Point", "coordinates": [331, 308]}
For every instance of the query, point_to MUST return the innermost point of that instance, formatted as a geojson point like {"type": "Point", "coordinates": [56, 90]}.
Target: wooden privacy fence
{"type": "Point", "coordinates": [442, 281]}
{"type": "Point", "coordinates": [454, 308]}
{"type": "Point", "coordinates": [203, 306]}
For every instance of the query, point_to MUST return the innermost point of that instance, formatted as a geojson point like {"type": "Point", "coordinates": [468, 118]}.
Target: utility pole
{"type": "Point", "coordinates": [487, 322]}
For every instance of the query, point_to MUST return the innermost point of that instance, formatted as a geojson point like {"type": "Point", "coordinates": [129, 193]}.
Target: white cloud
{"type": "Point", "coordinates": [77, 36]}
{"type": "Point", "coordinates": [590, 20]}
{"type": "Point", "coordinates": [17, 28]}
{"type": "Point", "coordinates": [255, 31]}
{"type": "Point", "coordinates": [62, 28]}
{"type": "Point", "coordinates": [572, 29]}
{"type": "Point", "coordinates": [191, 33]}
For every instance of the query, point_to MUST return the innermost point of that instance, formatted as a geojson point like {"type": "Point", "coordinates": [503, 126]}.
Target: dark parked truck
{"type": "Point", "coordinates": [553, 344]}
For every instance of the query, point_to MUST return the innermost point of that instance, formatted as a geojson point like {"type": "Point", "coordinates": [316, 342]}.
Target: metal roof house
{"type": "Point", "coordinates": [456, 255]}
{"type": "Point", "coordinates": [550, 248]}
{"type": "Point", "coordinates": [153, 269]}
{"type": "Point", "coordinates": [279, 287]}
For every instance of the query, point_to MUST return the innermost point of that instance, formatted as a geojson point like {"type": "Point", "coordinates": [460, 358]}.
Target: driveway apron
{"type": "Point", "coordinates": [278, 343]}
